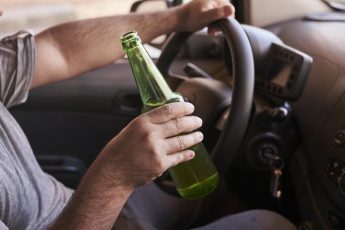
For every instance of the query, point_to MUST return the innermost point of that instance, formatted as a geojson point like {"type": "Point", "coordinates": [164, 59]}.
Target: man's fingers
{"type": "Point", "coordinates": [180, 125]}
{"type": "Point", "coordinates": [220, 12]}
{"type": "Point", "coordinates": [213, 31]}
{"type": "Point", "coordinates": [169, 111]}
{"type": "Point", "coordinates": [177, 158]}
{"type": "Point", "coordinates": [182, 142]}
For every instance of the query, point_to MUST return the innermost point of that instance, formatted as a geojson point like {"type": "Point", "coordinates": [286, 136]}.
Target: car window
{"type": "Point", "coordinates": [40, 14]}
{"type": "Point", "coordinates": [338, 1]}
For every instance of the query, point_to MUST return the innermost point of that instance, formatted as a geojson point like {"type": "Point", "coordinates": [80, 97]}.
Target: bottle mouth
{"type": "Point", "coordinates": [129, 36]}
{"type": "Point", "coordinates": [130, 39]}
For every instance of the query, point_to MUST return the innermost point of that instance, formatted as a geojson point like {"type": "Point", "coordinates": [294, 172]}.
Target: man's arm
{"type": "Point", "coordinates": [152, 142]}
{"type": "Point", "coordinates": [147, 147]}
{"type": "Point", "coordinates": [72, 48]}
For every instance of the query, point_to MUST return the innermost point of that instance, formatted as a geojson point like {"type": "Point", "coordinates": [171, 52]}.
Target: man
{"type": "Point", "coordinates": [149, 145]}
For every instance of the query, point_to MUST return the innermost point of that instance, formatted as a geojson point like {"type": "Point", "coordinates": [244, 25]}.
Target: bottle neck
{"type": "Point", "coordinates": [153, 88]}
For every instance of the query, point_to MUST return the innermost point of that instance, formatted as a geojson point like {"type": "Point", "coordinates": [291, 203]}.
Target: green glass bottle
{"type": "Point", "coordinates": [197, 177]}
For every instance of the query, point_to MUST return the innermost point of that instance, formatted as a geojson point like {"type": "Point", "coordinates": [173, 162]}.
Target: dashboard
{"type": "Point", "coordinates": [319, 165]}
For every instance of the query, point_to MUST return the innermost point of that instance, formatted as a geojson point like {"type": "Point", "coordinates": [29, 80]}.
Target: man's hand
{"type": "Point", "coordinates": [151, 144]}
{"type": "Point", "coordinates": [200, 13]}
{"type": "Point", "coordinates": [147, 147]}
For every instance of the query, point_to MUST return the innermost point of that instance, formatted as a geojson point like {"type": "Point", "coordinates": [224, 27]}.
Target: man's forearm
{"type": "Point", "coordinates": [97, 202]}
{"type": "Point", "coordinates": [77, 47]}
{"type": "Point", "coordinates": [72, 48]}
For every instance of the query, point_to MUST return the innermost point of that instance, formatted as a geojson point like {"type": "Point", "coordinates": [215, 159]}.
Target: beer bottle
{"type": "Point", "coordinates": [194, 178]}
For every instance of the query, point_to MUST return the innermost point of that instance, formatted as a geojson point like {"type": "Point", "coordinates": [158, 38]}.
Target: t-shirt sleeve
{"type": "Point", "coordinates": [3, 226]}
{"type": "Point", "coordinates": [3, 193]}
{"type": "Point", "coordinates": [17, 63]}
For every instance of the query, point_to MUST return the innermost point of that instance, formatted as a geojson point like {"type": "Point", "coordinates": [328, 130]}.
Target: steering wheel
{"type": "Point", "coordinates": [242, 90]}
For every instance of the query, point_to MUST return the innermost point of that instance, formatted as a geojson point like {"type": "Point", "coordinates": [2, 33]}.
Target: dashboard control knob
{"type": "Point", "coordinates": [278, 114]}
{"type": "Point", "coordinates": [339, 138]}
{"type": "Point", "coordinates": [341, 182]}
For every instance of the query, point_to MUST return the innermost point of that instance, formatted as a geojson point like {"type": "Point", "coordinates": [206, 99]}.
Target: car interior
{"type": "Point", "coordinates": [269, 88]}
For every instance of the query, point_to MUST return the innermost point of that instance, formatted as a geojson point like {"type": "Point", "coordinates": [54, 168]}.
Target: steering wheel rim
{"type": "Point", "coordinates": [243, 88]}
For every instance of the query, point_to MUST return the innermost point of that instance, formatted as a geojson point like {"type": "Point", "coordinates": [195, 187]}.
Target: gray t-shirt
{"type": "Point", "coordinates": [29, 198]}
